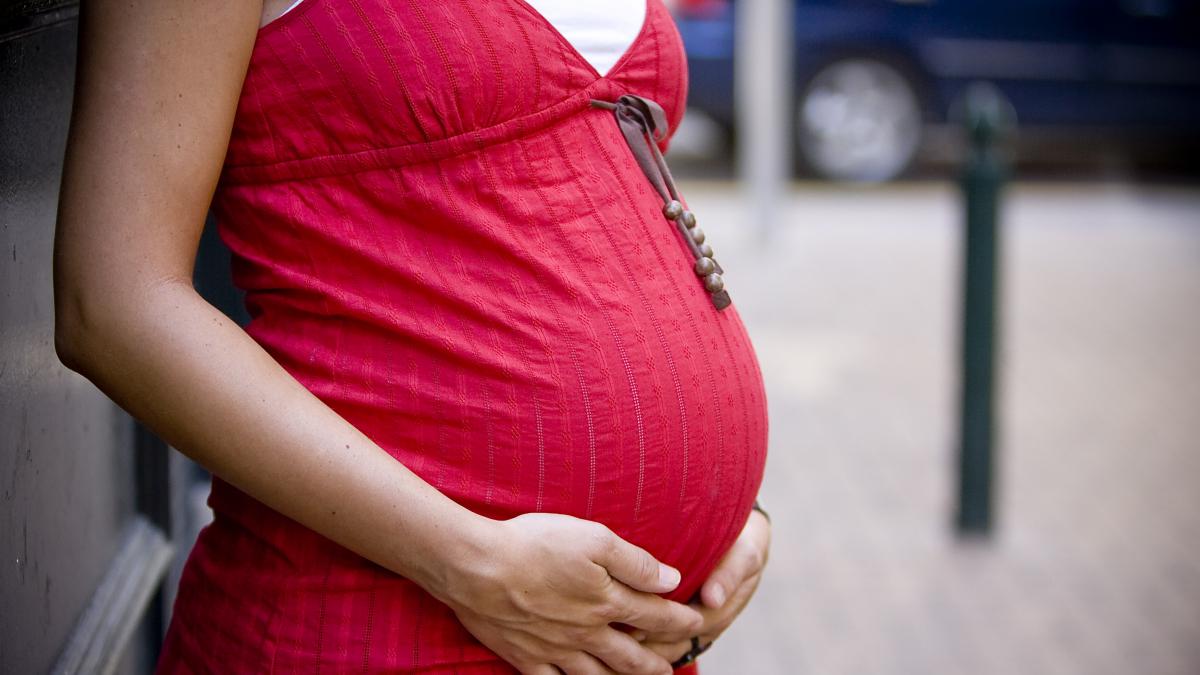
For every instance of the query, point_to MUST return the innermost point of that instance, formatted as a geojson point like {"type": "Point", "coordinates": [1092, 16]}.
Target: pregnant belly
{"type": "Point", "coordinates": [656, 429]}
{"type": "Point", "coordinates": [538, 378]}
{"type": "Point", "coordinates": [548, 349]}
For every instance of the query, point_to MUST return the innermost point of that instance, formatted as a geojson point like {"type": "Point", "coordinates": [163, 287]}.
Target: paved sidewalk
{"type": "Point", "coordinates": [1095, 567]}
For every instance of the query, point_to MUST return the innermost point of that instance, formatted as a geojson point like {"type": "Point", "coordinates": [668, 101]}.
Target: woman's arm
{"type": "Point", "coordinates": [156, 92]}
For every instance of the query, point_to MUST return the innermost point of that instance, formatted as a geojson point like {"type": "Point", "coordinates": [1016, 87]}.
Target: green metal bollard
{"type": "Point", "coordinates": [988, 117]}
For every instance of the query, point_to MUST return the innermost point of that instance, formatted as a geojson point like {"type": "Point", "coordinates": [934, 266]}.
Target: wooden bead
{"type": "Point", "coordinates": [714, 282]}
{"type": "Point", "coordinates": [672, 209]}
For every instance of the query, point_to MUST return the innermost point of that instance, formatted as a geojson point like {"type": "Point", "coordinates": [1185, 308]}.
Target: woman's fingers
{"type": "Point", "coordinates": [742, 562]}
{"type": "Point", "coordinates": [744, 559]}
{"type": "Point", "coordinates": [552, 589]}
{"type": "Point", "coordinates": [670, 651]}
{"type": "Point", "coordinates": [633, 565]}
{"type": "Point", "coordinates": [718, 620]}
{"type": "Point", "coordinates": [625, 655]}
{"type": "Point", "coordinates": [581, 663]}
{"type": "Point", "coordinates": [715, 620]}
{"type": "Point", "coordinates": [654, 614]}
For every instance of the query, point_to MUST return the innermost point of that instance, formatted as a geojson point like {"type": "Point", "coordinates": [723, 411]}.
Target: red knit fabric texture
{"type": "Point", "coordinates": [443, 241]}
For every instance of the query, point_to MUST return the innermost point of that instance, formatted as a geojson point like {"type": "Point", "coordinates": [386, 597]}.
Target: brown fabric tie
{"type": "Point", "coordinates": [643, 123]}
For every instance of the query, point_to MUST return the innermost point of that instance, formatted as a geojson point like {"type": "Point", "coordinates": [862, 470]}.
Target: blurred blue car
{"type": "Point", "coordinates": [872, 74]}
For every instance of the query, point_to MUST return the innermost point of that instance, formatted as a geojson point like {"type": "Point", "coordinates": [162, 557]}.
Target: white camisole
{"type": "Point", "coordinates": [600, 30]}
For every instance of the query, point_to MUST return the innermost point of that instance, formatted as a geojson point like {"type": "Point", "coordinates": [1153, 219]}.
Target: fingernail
{"type": "Point", "coordinates": [668, 576]}
{"type": "Point", "coordinates": [639, 635]}
{"type": "Point", "coordinates": [719, 594]}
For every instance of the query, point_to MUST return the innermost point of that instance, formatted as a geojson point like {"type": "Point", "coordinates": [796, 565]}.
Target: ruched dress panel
{"type": "Point", "coordinates": [443, 241]}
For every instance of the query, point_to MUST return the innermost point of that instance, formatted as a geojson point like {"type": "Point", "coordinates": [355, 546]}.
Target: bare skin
{"type": "Point", "coordinates": [155, 98]}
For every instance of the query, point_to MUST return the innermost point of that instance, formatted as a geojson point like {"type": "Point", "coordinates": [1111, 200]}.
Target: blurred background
{"type": "Point", "coordinates": [965, 239]}
{"type": "Point", "coordinates": [928, 519]}
{"type": "Point", "coordinates": [1101, 87]}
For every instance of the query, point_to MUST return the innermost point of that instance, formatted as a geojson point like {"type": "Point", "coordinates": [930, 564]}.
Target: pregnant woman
{"type": "Point", "coordinates": [494, 411]}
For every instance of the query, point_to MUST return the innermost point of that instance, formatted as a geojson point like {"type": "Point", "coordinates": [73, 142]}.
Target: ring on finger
{"type": "Point", "coordinates": [696, 650]}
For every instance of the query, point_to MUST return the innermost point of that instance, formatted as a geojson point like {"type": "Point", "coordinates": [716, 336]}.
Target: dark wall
{"type": "Point", "coordinates": [75, 511]}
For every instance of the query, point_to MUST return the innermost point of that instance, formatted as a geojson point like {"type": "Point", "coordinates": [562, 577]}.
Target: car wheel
{"type": "Point", "coordinates": [858, 119]}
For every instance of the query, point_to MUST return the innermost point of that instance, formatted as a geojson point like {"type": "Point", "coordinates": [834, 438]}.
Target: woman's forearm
{"type": "Point", "coordinates": [207, 388]}
{"type": "Point", "coordinates": [534, 588]}
{"type": "Point", "coordinates": [156, 94]}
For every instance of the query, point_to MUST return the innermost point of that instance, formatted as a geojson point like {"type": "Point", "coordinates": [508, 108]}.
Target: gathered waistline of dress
{"type": "Point", "coordinates": [390, 157]}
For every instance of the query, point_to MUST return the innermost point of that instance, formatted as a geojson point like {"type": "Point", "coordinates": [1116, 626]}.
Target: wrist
{"type": "Point", "coordinates": [463, 552]}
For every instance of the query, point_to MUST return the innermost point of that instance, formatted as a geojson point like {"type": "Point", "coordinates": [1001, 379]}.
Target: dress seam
{"type": "Point", "coordinates": [395, 156]}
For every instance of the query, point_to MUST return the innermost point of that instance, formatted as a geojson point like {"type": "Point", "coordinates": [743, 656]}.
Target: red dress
{"type": "Point", "coordinates": [441, 238]}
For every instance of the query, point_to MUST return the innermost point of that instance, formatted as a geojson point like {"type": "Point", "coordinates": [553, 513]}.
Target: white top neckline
{"type": "Point", "coordinates": [600, 30]}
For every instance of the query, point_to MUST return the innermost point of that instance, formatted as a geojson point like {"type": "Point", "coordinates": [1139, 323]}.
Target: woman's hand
{"type": "Point", "coordinates": [546, 587]}
{"type": "Point", "coordinates": [724, 594]}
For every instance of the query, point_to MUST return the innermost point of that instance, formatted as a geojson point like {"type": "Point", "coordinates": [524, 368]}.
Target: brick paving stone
{"type": "Point", "coordinates": [1095, 564]}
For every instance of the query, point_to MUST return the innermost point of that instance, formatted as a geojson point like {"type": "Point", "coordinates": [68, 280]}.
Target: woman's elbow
{"type": "Point", "coordinates": [70, 334]}
{"type": "Point", "coordinates": [95, 319]}
{"type": "Point", "coordinates": [77, 315]}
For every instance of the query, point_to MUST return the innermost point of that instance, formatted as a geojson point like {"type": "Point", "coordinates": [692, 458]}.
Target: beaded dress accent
{"type": "Point", "coordinates": [644, 123]}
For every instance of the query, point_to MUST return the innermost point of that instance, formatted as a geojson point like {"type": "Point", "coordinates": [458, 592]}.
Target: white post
{"type": "Point", "coordinates": [762, 92]}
